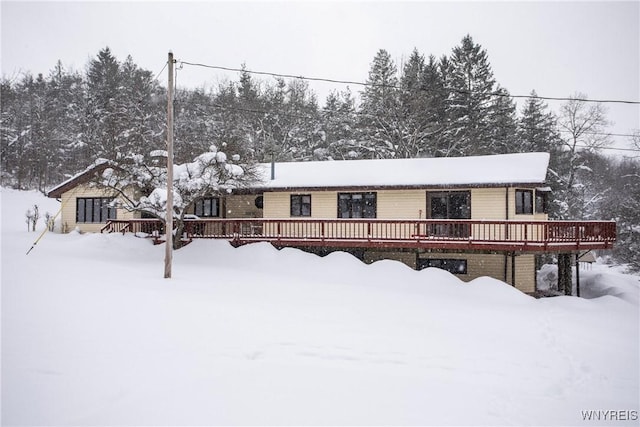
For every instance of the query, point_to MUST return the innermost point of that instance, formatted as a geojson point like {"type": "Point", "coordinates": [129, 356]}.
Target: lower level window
{"type": "Point", "coordinates": [455, 266]}
{"type": "Point", "coordinates": [95, 209]}
{"type": "Point", "coordinates": [207, 207]}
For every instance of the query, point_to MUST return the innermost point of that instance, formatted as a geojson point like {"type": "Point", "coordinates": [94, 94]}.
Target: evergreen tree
{"type": "Point", "coordinates": [503, 124]}
{"type": "Point", "coordinates": [537, 132]}
{"type": "Point", "coordinates": [339, 127]}
{"type": "Point", "coordinates": [435, 97]}
{"type": "Point", "coordinates": [412, 121]}
{"type": "Point", "coordinates": [379, 109]}
{"type": "Point", "coordinates": [471, 85]}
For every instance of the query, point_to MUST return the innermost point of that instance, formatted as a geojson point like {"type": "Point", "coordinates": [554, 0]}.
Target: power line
{"type": "Point", "coordinates": [363, 114]}
{"type": "Point", "coordinates": [160, 72]}
{"type": "Point", "coordinates": [311, 117]}
{"type": "Point", "coordinates": [352, 82]}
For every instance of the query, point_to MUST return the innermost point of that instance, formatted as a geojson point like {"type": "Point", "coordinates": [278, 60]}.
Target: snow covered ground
{"type": "Point", "coordinates": [93, 335]}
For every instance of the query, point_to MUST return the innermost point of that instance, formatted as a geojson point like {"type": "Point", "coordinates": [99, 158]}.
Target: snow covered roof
{"type": "Point", "coordinates": [79, 178]}
{"type": "Point", "coordinates": [502, 169]}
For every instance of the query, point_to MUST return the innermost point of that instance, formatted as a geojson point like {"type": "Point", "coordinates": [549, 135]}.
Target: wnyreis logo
{"type": "Point", "coordinates": [609, 415]}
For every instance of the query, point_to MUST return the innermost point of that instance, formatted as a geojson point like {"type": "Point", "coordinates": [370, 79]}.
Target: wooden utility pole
{"type": "Point", "coordinates": [168, 256]}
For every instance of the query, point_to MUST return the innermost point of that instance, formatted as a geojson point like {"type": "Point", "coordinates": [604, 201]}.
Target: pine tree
{"type": "Point", "coordinates": [102, 133]}
{"type": "Point", "coordinates": [503, 124]}
{"type": "Point", "coordinates": [379, 109]}
{"type": "Point", "coordinates": [412, 120]}
{"type": "Point", "coordinates": [338, 124]}
{"type": "Point", "coordinates": [537, 132]}
{"type": "Point", "coordinates": [471, 84]}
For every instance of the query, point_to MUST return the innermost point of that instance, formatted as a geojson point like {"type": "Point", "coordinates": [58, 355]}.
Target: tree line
{"type": "Point", "coordinates": [54, 125]}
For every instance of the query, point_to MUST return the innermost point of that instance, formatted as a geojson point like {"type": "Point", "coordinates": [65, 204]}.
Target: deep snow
{"type": "Point", "coordinates": [93, 335]}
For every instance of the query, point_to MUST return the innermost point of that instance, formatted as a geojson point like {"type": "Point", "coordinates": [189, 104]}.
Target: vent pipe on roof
{"type": "Point", "coordinates": [273, 167]}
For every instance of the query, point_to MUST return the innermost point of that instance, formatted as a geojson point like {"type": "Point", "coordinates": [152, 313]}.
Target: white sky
{"type": "Point", "coordinates": [556, 48]}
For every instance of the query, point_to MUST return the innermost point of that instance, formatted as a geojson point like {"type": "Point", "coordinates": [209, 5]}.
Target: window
{"type": "Point", "coordinates": [207, 207]}
{"type": "Point", "coordinates": [449, 205]}
{"type": "Point", "coordinates": [300, 205]}
{"type": "Point", "coordinates": [259, 202]}
{"type": "Point", "coordinates": [455, 266]}
{"type": "Point", "coordinates": [541, 202]}
{"type": "Point", "coordinates": [95, 209]}
{"type": "Point", "coordinates": [357, 205]}
{"type": "Point", "coordinates": [524, 202]}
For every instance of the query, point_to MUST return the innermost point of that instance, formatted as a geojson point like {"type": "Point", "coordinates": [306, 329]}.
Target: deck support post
{"type": "Point", "coordinates": [578, 274]}
{"type": "Point", "coordinates": [513, 269]}
{"type": "Point", "coordinates": [564, 273]}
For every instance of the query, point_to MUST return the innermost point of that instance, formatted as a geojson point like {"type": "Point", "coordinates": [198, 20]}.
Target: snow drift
{"type": "Point", "coordinates": [92, 335]}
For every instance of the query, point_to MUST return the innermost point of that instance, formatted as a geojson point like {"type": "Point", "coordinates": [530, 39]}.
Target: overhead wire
{"type": "Point", "coordinates": [359, 83]}
{"type": "Point", "coordinates": [388, 86]}
{"type": "Point", "coordinates": [357, 113]}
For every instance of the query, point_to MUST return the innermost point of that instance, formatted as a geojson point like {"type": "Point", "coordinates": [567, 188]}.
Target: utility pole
{"type": "Point", "coordinates": [168, 256]}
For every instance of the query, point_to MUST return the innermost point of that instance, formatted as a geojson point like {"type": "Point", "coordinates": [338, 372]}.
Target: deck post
{"type": "Point", "coordinates": [564, 273]}
{"type": "Point", "coordinates": [513, 269]}
{"type": "Point", "coordinates": [577, 274]}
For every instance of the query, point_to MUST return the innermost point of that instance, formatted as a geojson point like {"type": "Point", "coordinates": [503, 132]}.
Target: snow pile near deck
{"type": "Point", "coordinates": [92, 335]}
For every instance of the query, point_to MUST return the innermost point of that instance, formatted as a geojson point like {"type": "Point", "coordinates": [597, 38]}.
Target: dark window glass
{"type": "Point", "coordinates": [259, 202]}
{"type": "Point", "coordinates": [207, 207]}
{"type": "Point", "coordinates": [300, 205]}
{"type": "Point", "coordinates": [370, 205]}
{"type": "Point", "coordinates": [450, 205]}
{"type": "Point", "coordinates": [80, 210]}
{"type": "Point", "coordinates": [524, 202]}
{"type": "Point", "coordinates": [541, 202]}
{"type": "Point", "coordinates": [357, 205]}
{"type": "Point", "coordinates": [455, 266]}
{"type": "Point", "coordinates": [95, 209]}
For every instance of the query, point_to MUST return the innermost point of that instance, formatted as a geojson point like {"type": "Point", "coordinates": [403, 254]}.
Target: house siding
{"type": "Point", "coordinates": [68, 201]}
{"type": "Point", "coordinates": [241, 206]}
{"type": "Point", "coordinates": [486, 203]}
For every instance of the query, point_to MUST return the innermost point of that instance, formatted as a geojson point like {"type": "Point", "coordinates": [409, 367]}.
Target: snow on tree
{"type": "Point", "coordinates": [141, 182]}
{"type": "Point", "coordinates": [379, 108]}
{"type": "Point", "coordinates": [471, 85]}
{"type": "Point", "coordinates": [584, 125]}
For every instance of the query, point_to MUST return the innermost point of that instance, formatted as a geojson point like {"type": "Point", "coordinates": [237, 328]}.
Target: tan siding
{"type": "Point", "coordinates": [488, 203]}
{"type": "Point", "coordinates": [401, 204]}
{"type": "Point", "coordinates": [242, 206]}
{"type": "Point", "coordinates": [68, 214]}
{"type": "Point", "coordinates": [525, 272]}
{"type": "Point", "coordinates": [324, 204]}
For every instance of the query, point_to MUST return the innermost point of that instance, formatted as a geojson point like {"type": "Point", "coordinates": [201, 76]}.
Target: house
{"type": "Point", "coordinates": [472, 216]}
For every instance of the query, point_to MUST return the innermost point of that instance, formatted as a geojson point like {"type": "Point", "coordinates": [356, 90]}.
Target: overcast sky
{"type": "Point", "coordinates": [556, 48]}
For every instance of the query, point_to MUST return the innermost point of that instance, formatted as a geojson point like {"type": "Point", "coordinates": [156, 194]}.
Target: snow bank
{"type": "Point", "coordinates": [598, 281]}
{"type": "Point", "coordinates": [92, 335]}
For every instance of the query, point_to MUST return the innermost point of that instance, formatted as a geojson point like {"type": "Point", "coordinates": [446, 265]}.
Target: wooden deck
{"type": "Point", "coordinates": [519, 236]}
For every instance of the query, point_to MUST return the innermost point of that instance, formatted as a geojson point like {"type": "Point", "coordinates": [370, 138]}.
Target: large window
{"type": "Point", "coordinates": [95, 209]}
{"type": "Point", "coordinates": [300, 205]}
{"type": "Point", "coordinates": [541, 201]}
{"type": "Point", "coordinates": [524, 202]}
{"type": "Point", "coordinates": [357, 205]}
{"type": "Point", "coordinates": [449, 205]}
{"type": "Point", "coordinates": [455, 266]}
{"type": "Point", "coordinates": [207, 207]}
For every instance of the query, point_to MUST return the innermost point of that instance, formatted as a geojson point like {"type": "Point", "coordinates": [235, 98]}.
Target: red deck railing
{"type": "Point", "coordinates": [389, 233]}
